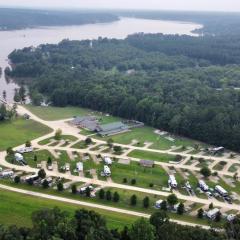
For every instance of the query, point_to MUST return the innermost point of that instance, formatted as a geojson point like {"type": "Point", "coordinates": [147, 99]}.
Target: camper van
{"type": "Point", "coordinates": [106, 171]}
{"type": "Point", "coordinates": [107, 160]}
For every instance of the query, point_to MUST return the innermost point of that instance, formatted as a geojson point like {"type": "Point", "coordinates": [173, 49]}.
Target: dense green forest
{"type": "Point", "coordinates": [88, 225]}
{"type": "Point", "coordinates": [26, 18]}
{"type": "Point", "coordinates": [194, 93]}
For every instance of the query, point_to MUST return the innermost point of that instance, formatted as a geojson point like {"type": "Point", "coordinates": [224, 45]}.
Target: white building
{"type": "Point", "coordinates": [172, 181]}
{"type": "Point", "coordinates": [79, 166]}
{"type": "Point", "coordinates": [107, 160]}
{"type": "Point", "coordinates": [204, 187]}
{"type": "Point", "coordinates": [221, 191]}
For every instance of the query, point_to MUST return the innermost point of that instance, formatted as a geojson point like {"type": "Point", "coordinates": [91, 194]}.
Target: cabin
{"type": "Point", "coordinates": [107, 160]}
{"type": "Point", "coordinates": [211, 214]}
{"type": "Point", "coordinates": [221, 191]}
{"type": "Point", "coordinates": [146, 163]}
{"type": "Point", "coordinates": [203, 186]}
{"type": "Point", "coordinates": [112, 128]}
{"type": "Point", "coordinates": [172, 181]}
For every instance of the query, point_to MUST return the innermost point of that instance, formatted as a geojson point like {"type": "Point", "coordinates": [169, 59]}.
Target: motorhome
{"type": "Point", "coordinates": [107, 160]}
{"type": "Point", "coordinates": [106, 171]}
{"type": "Point", "coordinates": [221, 191]}
{"type": "Point", "coordinates": [6, 173]}
{"type": "Point", "coordinates": [172, 181]}
{"type": "Point", "coordinates": [204, 187]}
{"type": "Point", "coordinates": [79, 166]}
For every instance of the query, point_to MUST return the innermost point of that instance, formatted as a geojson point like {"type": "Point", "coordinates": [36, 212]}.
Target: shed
{"type": "Point", "coordinates": [146, 163]}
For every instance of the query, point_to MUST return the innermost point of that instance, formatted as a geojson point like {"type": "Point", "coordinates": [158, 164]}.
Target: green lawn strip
{"type": "Point", "coordinates": [63, 137]}
{"type": "Point", "coordinates": [124, 202]}
{"type": "Point", "coordinates": [80, 145]}
{"type": "Point", "coordinates": [17, 208]}
{"type": "Point", "coordinates": [144, 176]}
{"type": "Point", "coordinates": [234, 167]}
{"type": "Point", "coordinates": [17, 132]}
{"type": "Point", "coordinates": [58, 113]}
{"type": "Point", "coordinates": [159, 157]}
{"type": "Point", "coordinates": [146, 134]}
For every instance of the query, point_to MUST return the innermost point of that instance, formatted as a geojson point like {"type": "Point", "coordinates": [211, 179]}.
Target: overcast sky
{"type": "Point", "coordinates": [199, 5]}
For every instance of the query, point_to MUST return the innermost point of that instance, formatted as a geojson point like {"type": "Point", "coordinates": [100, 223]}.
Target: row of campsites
{"type": "Point", "coordinates": [217, 191]}
{"type": "Point", "coordinates": [84, 189]}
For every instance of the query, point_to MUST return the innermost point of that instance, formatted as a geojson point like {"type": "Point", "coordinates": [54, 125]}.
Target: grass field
{"type": "Point", "coordinates": [159, 157]}
{"type": "Point", "coordinates": [57, 113]}
{"type": "Point", "coordinates": [143, 176]}
{"type": "Point", "coordinates": [23, 206]}
{"type": "Point", "coordinates": [17, 208]}
{"type": "Point", "coordinates": [18, 131]}
{"type": "Point", "coordinates": [146, 134]}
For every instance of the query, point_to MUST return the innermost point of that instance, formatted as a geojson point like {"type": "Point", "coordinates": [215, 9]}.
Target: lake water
{"type": "Point", "coordinates": [10, 40]}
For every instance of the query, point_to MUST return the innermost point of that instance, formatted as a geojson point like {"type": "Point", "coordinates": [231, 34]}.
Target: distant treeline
{"type": "Point", "coordinates": [214, 23]}
{"type": "Point", "coordinates": [21, 18]}
{"type": "Point", "coordinates": [141, 78]}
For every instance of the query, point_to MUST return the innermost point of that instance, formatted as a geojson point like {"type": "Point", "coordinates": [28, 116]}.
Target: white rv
{"type": "Point", "coordinates": [212, 213]}
{"type": "Point", "coordinates": [25, 150]}
{"type": "Point", "coordinates": [158, 203]}
{"type": "Point", "coordinates": [106, 171]}
{"type": "Point", "coordinates": [172, 181]}
{"type": "Point", "coordinates": [221, 191]}
{"type": "Point", "coordinates": [204, 187]}
{"type": "Point", "coordinates": [18, 157]}
{"type": "Point", "coordinates": [107, 160]}
{"type": "Point", "coordinates": [79, 166]}
{"type": "Point", "coordinates": [6, 173]}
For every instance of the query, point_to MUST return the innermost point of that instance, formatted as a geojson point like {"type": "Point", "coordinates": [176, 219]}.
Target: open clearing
{"type": "Point", "coordinates": [22, 206]}
{"type": "Point", "coordinates": [19, 131]}
{"type": "Point", "coordinates": [58, 113]}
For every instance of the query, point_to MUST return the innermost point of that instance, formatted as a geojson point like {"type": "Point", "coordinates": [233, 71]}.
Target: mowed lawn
{"type": "Point", "coordinates": [147, 155]}
{"type": "Point", "coordinates": [17, 132]}
{"type": "Point", "coordinates": [146, 134]}
{"type": "Point", "coordinates": [17, 208]}
{"type": "Point", "coordinates": [144, 176]}
{"type": "Point", "coordinates": [58, 113]}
